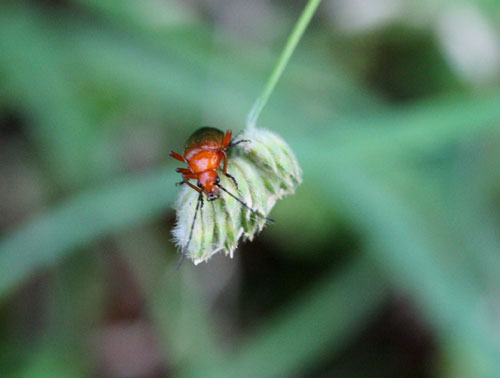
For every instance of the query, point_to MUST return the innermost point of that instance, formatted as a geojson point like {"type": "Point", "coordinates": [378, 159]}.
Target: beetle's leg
{"type": "Point", "coordinates": [190, 176]}
{"type": "Point", "coordinates": [227, 139]}
{"type": "Point", "coordinates": [176, 156]}
{"type": "Point", "coordinates": [186, 180]}
{"type": "Point", "coordinates": [238, 142]}
{"type": "Point", "coordinates": [232, 144]}
{"type": "Point", "coordinates": [233, 180]}
{"type": "Point", "coordinates": [224, 157]}
{"type": "Point", "coordinates": [185, 172]}
{"type": "Point", "coordinates": [224, 170]}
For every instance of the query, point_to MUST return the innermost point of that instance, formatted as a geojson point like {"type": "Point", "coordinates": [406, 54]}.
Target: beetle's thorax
{"type": "Point", "coordinates": [201, 160]}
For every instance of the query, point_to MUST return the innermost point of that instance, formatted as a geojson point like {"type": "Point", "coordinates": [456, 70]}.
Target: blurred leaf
{"type": "Point", "coordinates": [33, 57]}
{"type": "Point", "coordinates": [82, 219]}
{"type": "Point", "coordinates": [407, 250]}
{"type": "Point", "coordinates": [316, 324]}
{"type": "Point", "coordinates": [50, 360]}
{"type": "Point", "coordinates": [422, 126]}
{"type": "Point", "coordinates": [183, 319]}
{"type": "Point", "coordinates": [469, 211]}
{"type": "Point", "coordinates": [151, 15]}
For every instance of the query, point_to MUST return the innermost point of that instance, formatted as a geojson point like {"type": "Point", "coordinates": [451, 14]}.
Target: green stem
{"type": "Point", "coordinates": [290, 46]}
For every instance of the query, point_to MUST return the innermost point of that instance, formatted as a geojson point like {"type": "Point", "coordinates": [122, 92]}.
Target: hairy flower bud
{"type": "Point", "coordinates": [265, 169]}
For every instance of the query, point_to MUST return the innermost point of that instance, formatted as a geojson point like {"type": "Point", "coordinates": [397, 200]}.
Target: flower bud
{"type": "Point", "coordinates": [265, 170]}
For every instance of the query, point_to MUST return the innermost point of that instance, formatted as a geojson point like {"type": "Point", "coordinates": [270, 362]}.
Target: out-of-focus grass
{"type": "Point", "coordinates": [427, 229]}
{"type": "Point", "coordinates": [80, 220]}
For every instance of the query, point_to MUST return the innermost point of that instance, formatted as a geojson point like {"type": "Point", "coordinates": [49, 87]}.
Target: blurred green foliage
{"type": "Point", "coordinates": [400, 151]}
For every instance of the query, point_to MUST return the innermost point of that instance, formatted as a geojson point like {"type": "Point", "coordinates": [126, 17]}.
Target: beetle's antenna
{"type": "Point", "coordinates": [244, 204]}
{"type": "Point", "coordinates": [198, 206]}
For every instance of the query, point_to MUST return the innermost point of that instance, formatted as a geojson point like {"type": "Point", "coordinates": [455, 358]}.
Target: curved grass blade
{"type": "Point", "coordinates": [80, 220]}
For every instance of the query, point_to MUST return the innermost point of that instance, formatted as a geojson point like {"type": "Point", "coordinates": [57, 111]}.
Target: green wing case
{"type": "Point", "coordinates": [204, 136]}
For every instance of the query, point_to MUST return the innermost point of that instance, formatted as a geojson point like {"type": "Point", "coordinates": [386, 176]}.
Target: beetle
{"type": "Point", "coordinates": [205, 151]}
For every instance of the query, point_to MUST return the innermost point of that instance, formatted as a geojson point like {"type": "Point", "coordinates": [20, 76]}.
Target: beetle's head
{"type": "Point", "coordinates": [208, 181]}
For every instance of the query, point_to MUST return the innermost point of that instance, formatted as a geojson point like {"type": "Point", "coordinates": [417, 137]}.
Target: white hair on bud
{"type": "Point", "coordinates": [265, 169]}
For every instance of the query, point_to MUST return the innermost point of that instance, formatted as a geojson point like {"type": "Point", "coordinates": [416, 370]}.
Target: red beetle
{"type": "Point", "coordinates": [204, 152]}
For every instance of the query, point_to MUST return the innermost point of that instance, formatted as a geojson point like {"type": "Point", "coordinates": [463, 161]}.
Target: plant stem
{"type": "Point", "coordinates": [290, 46]}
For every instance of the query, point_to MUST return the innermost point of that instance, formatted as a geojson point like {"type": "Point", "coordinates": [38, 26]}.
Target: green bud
{"type": "Point", "coordinates": [265, 169]}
